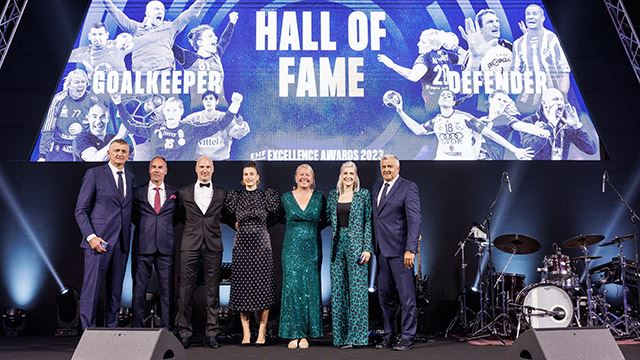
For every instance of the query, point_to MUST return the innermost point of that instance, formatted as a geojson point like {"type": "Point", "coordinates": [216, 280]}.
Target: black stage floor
{"type": "Point", "coordinates": [53, 348]}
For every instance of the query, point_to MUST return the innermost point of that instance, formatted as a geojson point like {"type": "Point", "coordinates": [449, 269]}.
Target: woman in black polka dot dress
{"type": "Point", "coordinates": [252, 270]}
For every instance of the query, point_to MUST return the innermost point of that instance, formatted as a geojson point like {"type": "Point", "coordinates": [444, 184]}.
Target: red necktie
{"type": "Point", "coordinates": [156, 201]}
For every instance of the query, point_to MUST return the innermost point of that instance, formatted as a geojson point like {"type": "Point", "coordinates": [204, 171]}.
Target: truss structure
{"type": "Point", "coordinates": [9, 20]}
{"type": "Point", "coordinates": [626, 32]}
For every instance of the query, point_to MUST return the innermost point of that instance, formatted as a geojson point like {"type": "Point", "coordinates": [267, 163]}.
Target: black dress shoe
{"type": "Point", "coordinates": [257, 344]}
{"type": "Point", "coordinates": [245, 344]}
{"type": "Point", "coordinates": [210, 341]}
{"type": "Point", "coordinates": [384, 344]}
{"type": "Point", "coordinates": [403, 345]}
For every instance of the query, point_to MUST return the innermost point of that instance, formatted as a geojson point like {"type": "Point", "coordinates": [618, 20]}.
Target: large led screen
{"type": "Point", "coordinates": [318, 80]}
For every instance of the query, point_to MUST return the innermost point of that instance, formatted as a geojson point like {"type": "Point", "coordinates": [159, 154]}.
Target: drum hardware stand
{"type": "Point", "coordinates": [461, 317]}
{"type": "Point", "coordinates": [609, 317]}
{"type": "Point", "coordinates": [505, 304]}
{"type": "Point", "coordinates": [630, 325]}
{"type": "Point", "coordinates": [479, 321]}
{"type": "Point", "coordinates": [633, 217]}
{"type": "Point", "coordinates": [591, 314]}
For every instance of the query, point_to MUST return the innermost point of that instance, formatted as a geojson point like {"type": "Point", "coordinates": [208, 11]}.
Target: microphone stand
{"type": "Point", "coordinates": [486, 222]}
{"type": "Point", "coordinates": [461, 317]}
{"type": "Point", "coordinates": [633, 217]}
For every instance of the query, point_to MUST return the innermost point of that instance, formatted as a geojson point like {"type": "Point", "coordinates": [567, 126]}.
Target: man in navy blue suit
{"type": "Point", "coordinates": [103, 213]}
{"type": "Point", "coordinates": [154, 205]}
{"type": "Point", "coordinates": [396, 223]}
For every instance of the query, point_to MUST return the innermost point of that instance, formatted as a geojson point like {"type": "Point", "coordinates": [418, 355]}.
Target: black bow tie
{"type": "Point", "coordinates": [205, 185]}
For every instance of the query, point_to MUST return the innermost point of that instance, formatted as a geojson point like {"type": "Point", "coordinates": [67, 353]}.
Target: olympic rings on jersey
{"type": "Point", "coordinates": [450, 136]}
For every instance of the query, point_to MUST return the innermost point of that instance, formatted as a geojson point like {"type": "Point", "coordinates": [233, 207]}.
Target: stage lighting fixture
{"type": "Point", "coordinates": [13, 321]}
{"type": "Point", "coordinates": [151, 318]}
{"type": "Point", "coordinates": [372, 289]}
{"type": "Point", "coordinates": [68, 312]}
{"type": "Point", "coordinates": [125, 317]}
{"type": "Point", "coordinates": [474, 288]}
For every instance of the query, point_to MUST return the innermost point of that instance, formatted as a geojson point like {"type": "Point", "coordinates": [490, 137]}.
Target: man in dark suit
{"type": "Point", "coordinates": [154, 206]}
{"type": "Point", "coordinates": [200, 206]}
{"type": "Point", "coordinates": [396, 224]}
{"type": "Point", "coordinates": [103, 213]}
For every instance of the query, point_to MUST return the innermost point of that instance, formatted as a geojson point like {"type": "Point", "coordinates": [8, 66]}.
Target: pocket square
{"type": "Point", "coordinates": [173, 196]}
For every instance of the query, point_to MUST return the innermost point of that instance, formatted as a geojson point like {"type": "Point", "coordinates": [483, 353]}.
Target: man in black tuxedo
{"type": "Point", "coordinates": [154, 205]}
{"type": "Point", "coordinates": [200, 206]}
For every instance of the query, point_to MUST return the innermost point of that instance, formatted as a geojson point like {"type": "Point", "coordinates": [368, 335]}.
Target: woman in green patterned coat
{"type": "Point", "coordinates": [304, 209]}
{"type": "Point", "coordinates": [349, 211]}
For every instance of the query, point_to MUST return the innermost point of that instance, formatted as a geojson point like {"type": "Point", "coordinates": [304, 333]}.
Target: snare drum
{"type": "Point", "coordinates": [551, 298]}
{"type": "Point", "coordinates": [558, 267]}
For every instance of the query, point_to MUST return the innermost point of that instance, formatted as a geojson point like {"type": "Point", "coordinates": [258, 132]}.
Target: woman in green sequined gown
{"type": "Point", "coordinates": [300, 313]}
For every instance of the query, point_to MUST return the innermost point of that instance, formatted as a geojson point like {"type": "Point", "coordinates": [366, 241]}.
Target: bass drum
{"type": "Point", "coordinates": [545, 306]}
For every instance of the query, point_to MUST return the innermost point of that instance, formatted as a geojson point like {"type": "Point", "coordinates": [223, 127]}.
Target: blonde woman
{"type": "Point", "coordinates": [304, 209]}
{"type": "Point", "coordinates": [349, 211]}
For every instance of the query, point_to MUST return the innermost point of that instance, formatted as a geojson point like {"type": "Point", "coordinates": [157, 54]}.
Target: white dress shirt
{"type": "Point", "coordinates": [391, 183]}
{"type": "Point", "coordinates": [203, 195]}
{"type": "Point", "coordinates": [151, 194]}
{"type": "Point", "coordinates": [114, 171]}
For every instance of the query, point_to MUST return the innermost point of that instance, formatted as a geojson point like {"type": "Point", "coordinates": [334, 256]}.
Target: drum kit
{"type": "Point", "coordinates": [562, 297]}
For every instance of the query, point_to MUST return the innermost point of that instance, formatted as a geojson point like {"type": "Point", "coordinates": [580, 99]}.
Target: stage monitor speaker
{"type": "Point", "coordinates": [127, 343]}
{"type": "Point", "coordinates": [565, 344]}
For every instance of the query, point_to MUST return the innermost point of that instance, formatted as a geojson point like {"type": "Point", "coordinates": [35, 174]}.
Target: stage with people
{"type": "Point", "coordinates": [274, 179]}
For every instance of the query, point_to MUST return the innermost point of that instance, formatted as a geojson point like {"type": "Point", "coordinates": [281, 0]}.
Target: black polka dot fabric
{"type": "Point", "coordinates": [252, 269]}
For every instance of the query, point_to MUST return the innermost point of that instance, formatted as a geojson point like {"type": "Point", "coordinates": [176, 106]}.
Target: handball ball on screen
{"type": "Point", "coordinates": [391, 98]}
{"type": "Point", "coordinates": [75, 128]}
{"type": "Point", "coordinates": [103, 68]}
{"type": "Point", "coordinates": [152, 104]}
{"type": "Point", "coordinates": [124, 41]}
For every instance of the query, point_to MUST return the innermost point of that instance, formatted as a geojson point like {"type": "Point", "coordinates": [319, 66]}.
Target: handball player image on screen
{"type": "Point", "coordinates": [334, 80]}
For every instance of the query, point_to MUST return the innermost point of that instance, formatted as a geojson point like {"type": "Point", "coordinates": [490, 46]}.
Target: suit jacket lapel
{"type": "Point", "coordinates": [354, 204]}
{"type": "Point", "coordinates": [128, 186]}
{"type": "Point", "coordinates": [168, 191]}
{"type": "Point", "coordinates": [110, 179]}
{"type": "Point", "coordinates": [332, 206]}
{"type": "Point", "coordinates": [191, 196]}
{"type": "Point", "coordinates": [392, 191]}
{"type": "Point", "coordinates": [213, 198]}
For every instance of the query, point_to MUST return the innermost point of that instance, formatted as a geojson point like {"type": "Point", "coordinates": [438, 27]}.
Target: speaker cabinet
{"type": "Point", "coordinates": [126, 343]}
{"type": "Point", "coordinates": [565, 344]}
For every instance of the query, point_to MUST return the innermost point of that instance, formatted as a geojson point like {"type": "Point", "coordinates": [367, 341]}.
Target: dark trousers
{"type": "Point", "coordinates": [394, 276]}
{"type": "Point", "coordinates": [190, 262]}
{"type": "Point", "coordinates": [108, 268]}
{"type": "Point", "coordinates": [143, 265]}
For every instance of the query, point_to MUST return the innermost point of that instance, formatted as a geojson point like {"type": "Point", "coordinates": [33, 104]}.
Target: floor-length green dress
{"type": "Point", "coordinates": [300, 313]}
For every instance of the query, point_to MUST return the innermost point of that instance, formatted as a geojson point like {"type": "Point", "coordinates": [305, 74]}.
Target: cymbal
{"type": "Point", "coordinates": [516, 243]}
{"type": "Point", "coordinates": [586, 258]}
{"type": "Point", "coordinates": [582, 240]}
{"type": "Point", "coordinates": [618, 240]}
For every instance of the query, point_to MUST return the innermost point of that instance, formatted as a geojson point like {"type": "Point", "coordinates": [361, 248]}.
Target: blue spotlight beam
{"type": "Point", "coordinates": [487, 224]}
{"type": "Point", "coordinates": [633, 216]}
{"type": "Point", "coordinates": [26, 227]}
